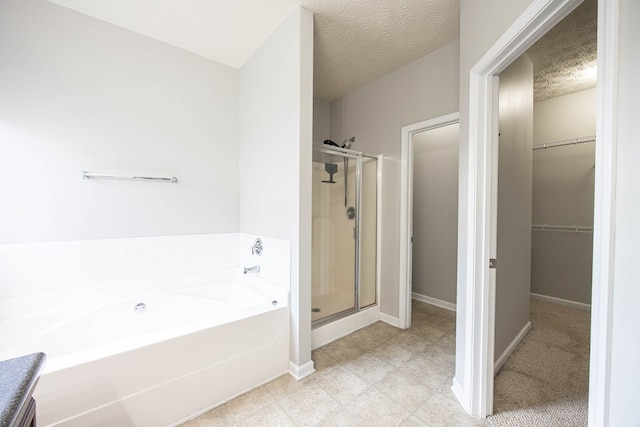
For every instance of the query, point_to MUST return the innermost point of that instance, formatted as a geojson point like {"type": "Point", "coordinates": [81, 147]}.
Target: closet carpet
{"type": "Point", "coordinates": [546, 381]}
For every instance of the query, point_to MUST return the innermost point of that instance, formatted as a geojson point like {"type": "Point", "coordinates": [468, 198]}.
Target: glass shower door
{"type": "Point", "coordinates": [334, 243]}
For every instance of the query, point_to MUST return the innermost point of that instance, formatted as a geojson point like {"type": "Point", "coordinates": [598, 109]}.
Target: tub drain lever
{"type": "Point", "coordinates": [140, 307]}
{"type": "Point", "coordinates": [254, 269]}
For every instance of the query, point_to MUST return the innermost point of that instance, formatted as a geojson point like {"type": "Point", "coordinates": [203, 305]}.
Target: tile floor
{"type": "Point", "coordinates": [377, 376]}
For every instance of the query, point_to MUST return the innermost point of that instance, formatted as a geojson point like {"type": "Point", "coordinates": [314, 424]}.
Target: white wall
{"type": "Point", "coordinates": [79, 94]}
{"type": "Point", "coordinates": [481, 24]}
{"type": "Point", "coordinates": [375, 115]}
{"type": "Point", "coordinates": [563, 186]}
{"type": "Point", "coordinates": [321, 120]}
{"type": "Point", "coordinates": [275, 131]}
{"type": "Point", "coordinates": [513, 273]}
{"type": "Point", "coordinates": [625, 370]}
{"type": "Point", "coordinates": [565, 117]}
{"type": "Point", "coordinates": [435, 212]}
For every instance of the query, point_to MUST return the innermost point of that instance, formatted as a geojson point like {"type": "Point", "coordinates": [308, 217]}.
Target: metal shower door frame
{"type": "Point", "coordinates": [356, 155]}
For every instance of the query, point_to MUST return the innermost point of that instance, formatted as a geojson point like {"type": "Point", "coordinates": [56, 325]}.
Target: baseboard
{"type": "Point", "coordinates": [458, 392]}
{"type": "Point", "coordinates": [301, 371]}
{"type": "Point", "coordinates": [393, 321]}
{"type": "Point", "coordinates": [511, 348]}
{"type": "Point", "coordinates": [434, 301]}
{"type": "Point", "coordinates": [564, 302]}
{"type": "Point", "coordinates": [342, 327]}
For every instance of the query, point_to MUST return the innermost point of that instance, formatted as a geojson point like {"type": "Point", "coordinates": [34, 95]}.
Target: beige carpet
{"type": "Point", "coordinates": [546, 381]}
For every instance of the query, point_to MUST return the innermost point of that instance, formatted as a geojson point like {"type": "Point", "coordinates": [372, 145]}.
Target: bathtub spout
{"type": "Point", "coordinates": [254, 269]}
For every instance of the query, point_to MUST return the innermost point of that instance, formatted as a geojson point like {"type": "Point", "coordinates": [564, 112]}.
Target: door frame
{"type": "Point", "coordinates": [406, 209]}
{"type": "Point", "coordinates": [474, 358]}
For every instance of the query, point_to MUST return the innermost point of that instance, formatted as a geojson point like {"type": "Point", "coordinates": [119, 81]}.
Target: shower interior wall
{"type": "Point", "coordinates": [333, 254]}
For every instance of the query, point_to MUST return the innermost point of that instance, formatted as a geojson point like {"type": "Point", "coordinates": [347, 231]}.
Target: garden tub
{"type": "Point", "coordinates": [152, 353]}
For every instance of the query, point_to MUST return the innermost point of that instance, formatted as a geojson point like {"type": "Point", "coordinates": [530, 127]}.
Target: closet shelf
{"type": "Point", "coordinates": [562, 228]}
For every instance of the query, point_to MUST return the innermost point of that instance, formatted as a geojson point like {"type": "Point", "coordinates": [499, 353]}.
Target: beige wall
{"type": "Point", "coordinates": [435, 212]}
{"type": "Point", "coordinates": [563, 186]}
{"type": "Point", "coordinates": [375, 115]}
{"type": "Point", "coordinates": [513, 274]}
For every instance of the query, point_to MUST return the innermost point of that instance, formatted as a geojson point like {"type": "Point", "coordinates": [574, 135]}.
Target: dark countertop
{"type": "Point", "coordinates": [18, 379]}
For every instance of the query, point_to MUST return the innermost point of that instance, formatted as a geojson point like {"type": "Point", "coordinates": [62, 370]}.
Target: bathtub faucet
{"type": "Point", "coordinates": [254, 269]}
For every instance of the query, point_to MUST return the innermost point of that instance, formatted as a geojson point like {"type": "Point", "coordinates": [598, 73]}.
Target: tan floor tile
{"type": "Point", "coordinates": [365, 339]}
{"type": "Point", "coordinates": [414, 421]}
{"type": "Point", "coordinates": [426, 371]}
{"type": "Point", "coordinates": [322, 361]}
{"type": "Point", "coordinates": [443, 322]}
{"type": "Point", "coordinates": [269, 416]}
{"type": "Point", "coordinates": [370, 368]}
{"type": "Point", "coordinates": [341, 418]}
{"type": "Point", "coordinates": [309, 405]}
{"type": "Point", "coordinates": [448, 341]}
{"type": "Point", "coordinates": [342, 384]}
{"type": "Point", "coordinates": [383, 329]}
{"type": "Point", "coordinates": [405, 389]}
{"type": "Point", "coordinates": [286, 385]}
{"type": "Point", "coordinates": [342, 350]}
{"type": "Point", "coordinates": [423, 307]}
{"type": "Point", "coordinates": [442, 411]}
{"type": "Point", "coordinates": [373, 408]}
{"type": "Point", "coordinates": [411, 342]}
{"type": "Point", "coordinates": [234, 411]}
{"type": "Point", "coordinates": [441, 355]}
{"type": "Point", "coordinates": [392, 354]}
{"type": "Point", "coordinates": [426, 331]}
{"type": "Point", "coordinates": [420, 316]}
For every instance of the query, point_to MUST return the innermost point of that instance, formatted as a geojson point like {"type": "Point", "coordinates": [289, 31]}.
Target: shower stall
{"type": "Point", "coordinates": [344, 248]}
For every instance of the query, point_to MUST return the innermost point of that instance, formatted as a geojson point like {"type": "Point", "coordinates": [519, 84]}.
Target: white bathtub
{"type": "Point", "coordinates": [201, 340]}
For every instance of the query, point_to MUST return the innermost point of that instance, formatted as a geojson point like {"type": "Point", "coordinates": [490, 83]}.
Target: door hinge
{"type": "Point", "coordinates": [493, 263]}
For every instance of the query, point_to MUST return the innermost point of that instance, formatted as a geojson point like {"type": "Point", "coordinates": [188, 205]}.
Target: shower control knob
{"type": "Point", "coordinates": [257, 248]}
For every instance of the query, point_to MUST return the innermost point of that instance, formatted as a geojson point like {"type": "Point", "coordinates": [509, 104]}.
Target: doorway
{"type": "Point", "coordinates": [544, 220]}
{"type": "Point", "coordinates": [406, 210]}
{"type": "Point", "coordinates": [435, 216]}
{"type": "Point", "coordinates": [474, 387]}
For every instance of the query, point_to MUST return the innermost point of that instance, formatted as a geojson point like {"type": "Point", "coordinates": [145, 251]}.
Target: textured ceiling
{"type": "Point", "coordinates": [356, 41]}
{"type": "Point", "coordinates": [564, 59]}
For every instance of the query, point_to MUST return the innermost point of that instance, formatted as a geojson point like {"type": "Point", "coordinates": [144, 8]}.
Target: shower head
{"type": "Point", "coordinates": [347, 142]}
{"type": "Point", "coordinates": [330, 168]}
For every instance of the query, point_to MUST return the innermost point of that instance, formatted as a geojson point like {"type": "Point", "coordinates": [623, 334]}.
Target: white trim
{"type": "Point", "coordinates": [564, 302]}
{"type": "Point", "coordinates": [379, 205]}
{"type": "Point", "coordinates": [457, 389]}
{"type": "Point", "coordinates": [301, 371]}
{"type": "Point", "coordinates": [434, 301]}
{"type": "Point", "coordinates": [604, 213]}
{"type": "Point", "coordinates": [393, 321]}
{"type": "Point", "coordinates": [342, 327]}
{"type": "Point", "coordinates": [406, 208]}
{"type": "Point", "coordinates": [478, 329]}
{"type": "Point", "coordinates": [511, 348]}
